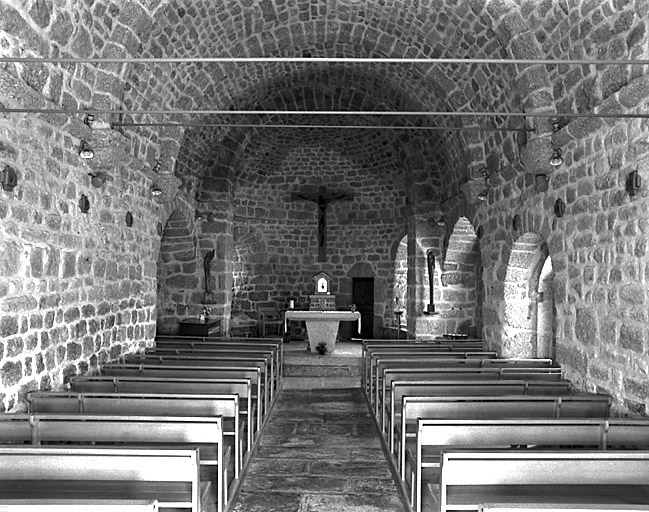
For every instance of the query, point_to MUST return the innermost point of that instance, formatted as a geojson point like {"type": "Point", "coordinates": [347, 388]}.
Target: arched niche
{"type": "Point", "coordinates": [178, 281]}
{"type": "Point", "coordinates": [460, 297]}
{"type": "Point", "coordinates": [529, 308]}
{"type": "Point", "coordinates": [398, 297]}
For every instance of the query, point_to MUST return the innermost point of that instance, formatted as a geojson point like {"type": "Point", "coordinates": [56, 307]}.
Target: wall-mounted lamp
{"type": "Point", "coordinates": [484, 195]}
{"type": "Point", "coordinates": [541, 182]}
{"type": "Point", "coordinates": [441, 222]}
{"type": "Point", "coordinates": [556, 159]}
{"type": "Point", "coordinates": [98, 179]}
{"type": "Point", "coordinates": [85, 151]}
{"type": "Point", "coordinates": [89, 120]}
{"type": "Point", "coordinates": [633, 183]}
{"type": "Point", "coordinates": [129, 219]}
{"type": "Point", "coordinates": [8, 178]}
{"type": "Point", "coordinates": [84, 204]}
{"type": "Point", "coordinates": [559, 207]}
{"type": "Point", "coordinates": [156, 191]}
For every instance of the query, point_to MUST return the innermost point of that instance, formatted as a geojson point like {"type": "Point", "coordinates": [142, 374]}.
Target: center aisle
{"type": "Point", "coordinates": [319, 452]}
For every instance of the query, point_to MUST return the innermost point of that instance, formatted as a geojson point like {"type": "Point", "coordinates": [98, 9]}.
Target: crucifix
{"type": "Point", "coordinates": [322, 197]}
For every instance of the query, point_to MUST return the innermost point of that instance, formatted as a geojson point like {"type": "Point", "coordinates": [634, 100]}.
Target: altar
{"type": "Point", "coordinates": [322, 326]}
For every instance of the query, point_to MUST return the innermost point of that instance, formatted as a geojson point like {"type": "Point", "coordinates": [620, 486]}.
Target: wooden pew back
{"type": "Point", "coordinates": [148, 404]}
{"type": "Point", "coordinates": [169, 476]}
{"type": "Point", "coordinates": [436, 436]}
{"type": "Point", "coordinates": [392, 412]}
{"type": "Point", "coordinates": [80, 505]}
{"type": "Point", "coordinates": [249, 394]}
{"type": "Point", "coordinates": [585, 477]}
{"type": "Point", "coordinates": [388, 375]}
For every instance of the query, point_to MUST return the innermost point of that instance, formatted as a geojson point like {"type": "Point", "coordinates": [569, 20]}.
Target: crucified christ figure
{"type": "Point", "coordinates": [322, 198]}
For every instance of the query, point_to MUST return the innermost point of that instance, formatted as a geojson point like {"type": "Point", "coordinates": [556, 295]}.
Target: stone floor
{"type": "Point", "coordinates": [319, 451]}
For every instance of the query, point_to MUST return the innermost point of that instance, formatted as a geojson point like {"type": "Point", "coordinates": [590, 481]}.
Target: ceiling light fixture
{"type": "Point", "coordinates": [85, 151]}
{"type": "Point", "coordinates": [556, 160]}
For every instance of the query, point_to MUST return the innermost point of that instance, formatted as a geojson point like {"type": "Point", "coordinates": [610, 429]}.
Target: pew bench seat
{"type": "Point", "coordinates": [130, 432]}
{"type": "Point", "coordinates": [561, 507]}
{"type": "Point", "coordinates": [471, 478]}
{"type": "Point", "coordinates": [170, 477]}
{"type": "Point", "coordinates": [74, 505]}
{"type": "Point", "coordinates": [391, 417]}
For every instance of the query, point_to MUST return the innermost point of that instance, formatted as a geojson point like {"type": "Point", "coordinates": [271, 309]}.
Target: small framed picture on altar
{"type": "Point", "coordinates": [322, 283]}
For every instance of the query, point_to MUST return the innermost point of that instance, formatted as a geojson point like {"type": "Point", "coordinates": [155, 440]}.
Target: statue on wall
{"type": "Point", "coordinates": [207, 267]}
{"type": "Point", "coordinates": [430, 260]}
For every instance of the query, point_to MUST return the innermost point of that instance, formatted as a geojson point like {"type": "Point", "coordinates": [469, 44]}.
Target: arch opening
{"type": "Point", "coordinates": [460, 298]}
{"type": "Point", "coordinates": [529, 304]}
{"type": "Point", "coordinates": [176, 274]}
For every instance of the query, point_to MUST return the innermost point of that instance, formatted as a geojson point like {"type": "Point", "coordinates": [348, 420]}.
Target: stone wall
{"type": "Point", "coordinates": [597, 249]}
{"type": "Point", "coordinates": [276, 242]}
{"type": "Point", "coordinates": [76, 289]}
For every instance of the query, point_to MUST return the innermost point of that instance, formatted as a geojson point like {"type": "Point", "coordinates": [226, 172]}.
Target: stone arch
{"type": "Point", "coordinates": [249, 263]}
{"type": "Point", "coordinates": [528, 279]}
{"type": "Point", "coordinates": [545, 312]}
{"type": "Point", "coordinates": [177, 271]}
{"type": "Point", "coordinates": [460, 302]}
{"type": "Point", "coordinates": [398, 297]}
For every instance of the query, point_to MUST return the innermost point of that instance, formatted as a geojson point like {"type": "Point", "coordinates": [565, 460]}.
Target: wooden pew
{"type": "Point", "coordinates": [212, 343]}
{"type": "Point", "coordinates": [369, 348]}
{"type": "Point", "coordinates": [149, 404]}
{"type": "Point", "coordinates": [249, 395]}
{"type": "Point", "coordinates": [389, 374]}
{"type": "Point", "coordinates": [80, 505]}
{"type": "Point", "coordinates": [170, 477]}
{"type": "Point", "coordinates": [211, 350]}
{"type": "Point", "coordinates": [414, 409]}
{"type": "Point", "coordinates": [436, 436]}
{"type": "Point", "coordinates": [204, 434]}
{"type": "Point", "coordinates": [257, 377]}
{"type": "Point", "coordinates": [413, 361]}
{"type": "Point", "coordinates": [469, 478]}
{"type": "Point", "coordinates": [391, 416]}
{"type": "Point", "coordinates": [238, 358]}
{"type": "Point", "coordinates": [561, 507]}
{"type": "Point", "coordinates": [369, 363]}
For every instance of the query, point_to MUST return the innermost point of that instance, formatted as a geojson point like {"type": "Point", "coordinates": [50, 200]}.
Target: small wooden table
{"type": "Point", "coordinates": [194, 327]}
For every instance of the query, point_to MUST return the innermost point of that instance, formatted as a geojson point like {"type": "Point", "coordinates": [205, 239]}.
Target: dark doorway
{"type": "Point", "coordinates": [363, 297]}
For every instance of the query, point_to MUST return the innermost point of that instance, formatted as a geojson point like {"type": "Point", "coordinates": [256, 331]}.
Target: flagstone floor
{"type": "Point", "coordinates": [319, 452]}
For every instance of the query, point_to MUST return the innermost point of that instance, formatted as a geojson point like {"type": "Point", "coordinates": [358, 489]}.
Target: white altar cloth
{"type": "Point", "coordinates": [322, 326]}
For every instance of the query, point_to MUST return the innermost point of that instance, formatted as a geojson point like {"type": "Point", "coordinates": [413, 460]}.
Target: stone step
{"type": "Point", "coordinates": [293, 370]}
{"type": "Point", "coordinates": [307, 370]}
{"type": "Point", "coordinates": [320, 382]}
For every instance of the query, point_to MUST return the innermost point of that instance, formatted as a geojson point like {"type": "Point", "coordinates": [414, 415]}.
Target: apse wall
{"type": "Point", "coordinates": [358, 230]}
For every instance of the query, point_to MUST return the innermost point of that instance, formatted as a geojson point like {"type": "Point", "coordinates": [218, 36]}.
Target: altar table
{"type": "Point", "coordinates": [322, 326]}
